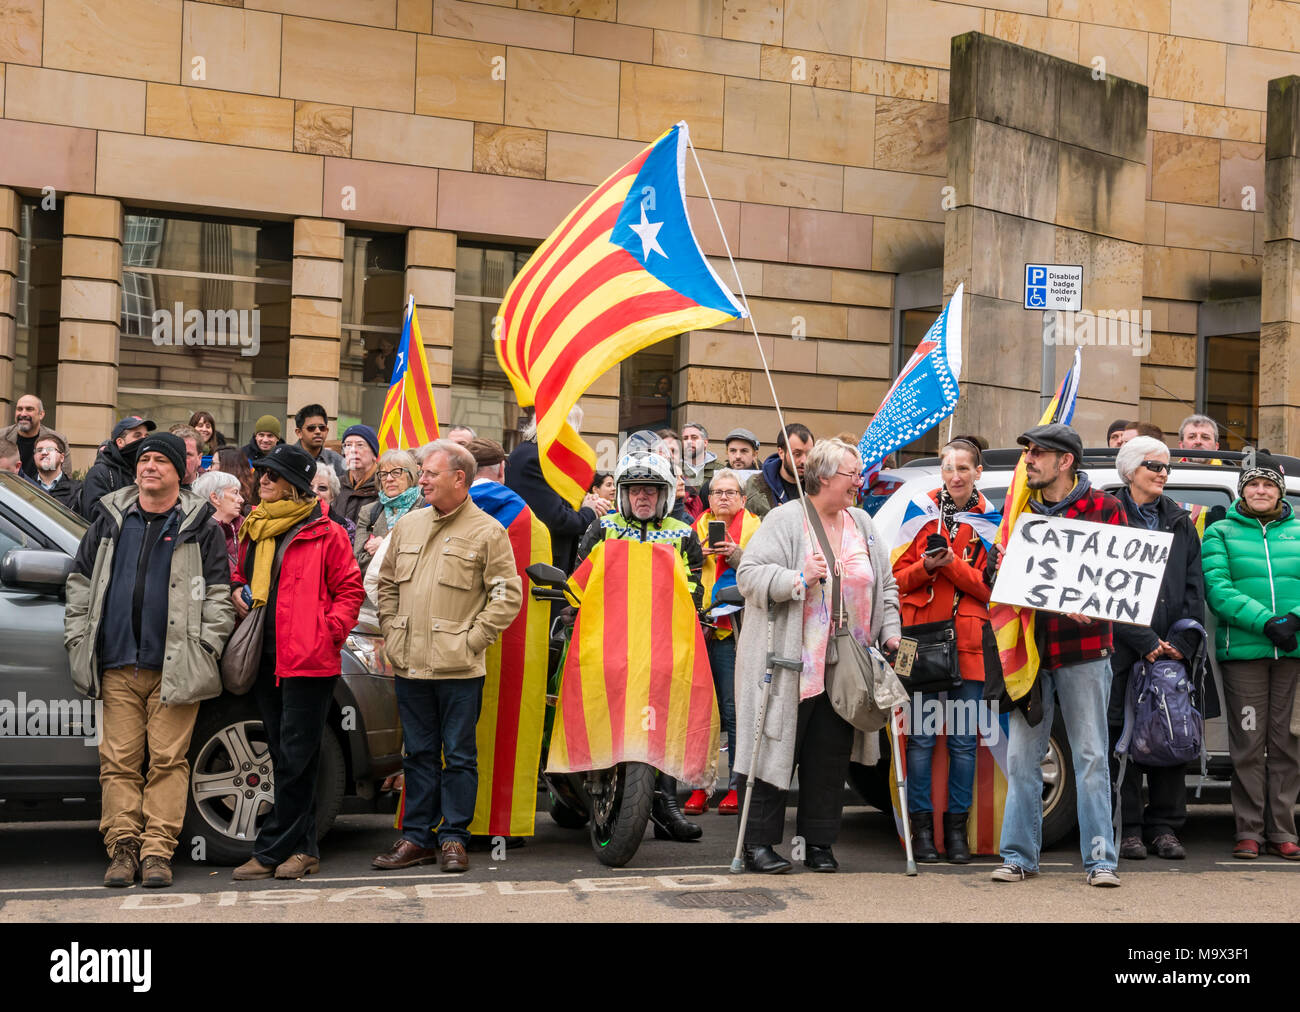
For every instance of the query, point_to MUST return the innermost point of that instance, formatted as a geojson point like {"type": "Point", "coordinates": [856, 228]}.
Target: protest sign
{"type": "Point", "coordinates": [1100, 570]}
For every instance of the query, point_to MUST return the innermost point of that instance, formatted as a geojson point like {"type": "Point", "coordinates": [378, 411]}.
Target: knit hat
{"type": "Point", "coordinates": [1265, 467]}
{"type": "Point", "coordinates": [267, 423]}
{"type": "Point", "coordinates": [171, 447]}
{"type": "Point", "coordinates": [366, 433]}
{"type": "Point", "coordinates": [292, 463]}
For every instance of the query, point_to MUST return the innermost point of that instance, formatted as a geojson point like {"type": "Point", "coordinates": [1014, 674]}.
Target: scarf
{"type": "Point", "coordinates": [1148, 513]}
{"type": "Point", "coordinates": [1274, 514]}
{"type": "Point", "coordinates": [263, 526]}
{"type": "Point", "coordinates": [1038, 505]}
{"type": "Point", "coordinates": [948, 509]}
{"type": "Point", "coordinates": [395, 506]}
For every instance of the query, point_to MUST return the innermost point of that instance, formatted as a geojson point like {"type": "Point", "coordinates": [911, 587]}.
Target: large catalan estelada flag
{"type": "Point", "coordinates": [1014, 627]}
{"type": "Point", "coordinates": [636, 685]}
{"type": "Point", "coordinates": [410, 418]}
{"type": "Point", "coordinates": [621, 272]}
{"type": "Point", "coordinates": [514, 693]}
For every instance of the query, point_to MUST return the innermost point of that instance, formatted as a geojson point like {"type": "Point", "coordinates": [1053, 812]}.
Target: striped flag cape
{"type": "Point", "coordinates": [1014, 627]}
{"type": "Point", "coordinates": [514, 692]}
{"type": "Point", "coordinates": [621, 272]}
{"type": "Point", "coordinates": [989, 792]}
{"type": "Point", "coordinates": [410, 417]}
{"type": "Point", "coordinates": [985, 525]}
{"type": "Point", "coordinates": [636, 685]}
{"type": "Point", "coordinates": [920, 510]}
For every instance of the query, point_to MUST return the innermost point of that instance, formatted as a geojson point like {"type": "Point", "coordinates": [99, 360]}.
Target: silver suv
{"type": "Point", "coordinates": [47, 753]}
{"type": "Point", "coordinates": [1193, 481]}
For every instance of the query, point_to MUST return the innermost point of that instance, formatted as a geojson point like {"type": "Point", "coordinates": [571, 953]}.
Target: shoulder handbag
{"type": "Point", "coordinates": [242, 658]}
{"type": "Point", "coordinates": [860, 684]}
{"type": "Point", "coordinates": [932, 647]}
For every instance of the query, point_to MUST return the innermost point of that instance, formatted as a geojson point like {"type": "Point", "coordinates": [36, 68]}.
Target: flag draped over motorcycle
{"type": "Point", "coordinates": [1014, 627]}
{"type": "Point", "coordinates": [621, 272]}
{"type": "Point", "coordinates": [636, 685]}
{"type": "Point", "coordinates": [514, 692]}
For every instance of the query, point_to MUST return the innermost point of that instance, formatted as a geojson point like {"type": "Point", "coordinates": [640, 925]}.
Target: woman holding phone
{"type": "Point", "coordinates": [724, 530]}
{"type": "Point", "coordinates": [941, 578]}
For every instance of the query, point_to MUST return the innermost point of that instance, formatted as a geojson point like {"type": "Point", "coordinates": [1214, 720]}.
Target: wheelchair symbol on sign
{"type": "Point", "coordinates": [1037, 298]}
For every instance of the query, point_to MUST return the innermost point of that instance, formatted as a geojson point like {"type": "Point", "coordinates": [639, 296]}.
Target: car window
{"type": "Point", "coordinates": [12, 537]}
{"type": "Point", "coordinates": [995, 496]}
{"type": "Point", "coordinates": [1199, 495]}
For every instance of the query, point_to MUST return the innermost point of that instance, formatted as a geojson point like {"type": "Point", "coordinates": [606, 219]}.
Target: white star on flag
{"type": "Point", "coordinates": [649, 233]}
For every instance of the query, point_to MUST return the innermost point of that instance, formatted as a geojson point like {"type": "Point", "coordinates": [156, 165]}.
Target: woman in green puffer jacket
{"type": "Point", "coordinates": [1252, 582]}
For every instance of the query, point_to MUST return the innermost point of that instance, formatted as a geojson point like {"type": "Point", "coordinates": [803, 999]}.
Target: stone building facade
{"type": "Point", "coordinates": [316, 160]}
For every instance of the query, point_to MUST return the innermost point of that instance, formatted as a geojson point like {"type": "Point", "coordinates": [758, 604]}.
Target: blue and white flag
{"type": "Point", "coordinates": [924, 393]}
{"type": "Point", "coordinates": [983, 524]}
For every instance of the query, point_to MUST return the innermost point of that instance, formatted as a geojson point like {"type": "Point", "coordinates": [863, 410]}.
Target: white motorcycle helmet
{"type": "Point", "coordinates": [643, 463]}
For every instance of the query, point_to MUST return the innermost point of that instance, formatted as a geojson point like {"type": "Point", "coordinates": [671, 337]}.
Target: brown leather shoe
{"type": "Point", "coordinates": [253, 869]}
{"type": "Point", "coordinates": [156, 872]}
{"type": "Point", "coordinates": [125, 866]}
{"type": "Point", "coordinates": [298, 866]}
{"type": "Point", "coordinates": [454, 857]}
{"type": "Point", "coordinates": [405, 854]}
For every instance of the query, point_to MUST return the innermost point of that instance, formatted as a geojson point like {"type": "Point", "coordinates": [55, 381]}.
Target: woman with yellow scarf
{"type": "Point", "coordinates": [311, 605]}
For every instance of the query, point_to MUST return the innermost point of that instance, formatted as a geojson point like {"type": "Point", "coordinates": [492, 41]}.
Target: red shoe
{"type": "Point", "coordinates": [1290, 851]}
{"type": "Point", "coordinates": [728, 805]}
{"type": "Point", "coordinates": [1247, 850]}
{"type": "Point", "coordinates": [697, 803]}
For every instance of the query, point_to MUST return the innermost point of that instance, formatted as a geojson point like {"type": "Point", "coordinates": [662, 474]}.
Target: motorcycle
{"type": "Point", "coordinates": [616, 802]}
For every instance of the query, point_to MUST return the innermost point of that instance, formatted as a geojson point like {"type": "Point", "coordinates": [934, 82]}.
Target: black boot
{"type": "Point", "coordinates": [669, 822]}
{"type": "Point", "coordinates": [923, 848]}
{"type": "Point", "coordinates": [954, 837]}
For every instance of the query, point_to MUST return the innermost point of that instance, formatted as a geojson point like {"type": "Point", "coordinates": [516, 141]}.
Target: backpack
{"type": "Point", "coordinates": [1162, 726]}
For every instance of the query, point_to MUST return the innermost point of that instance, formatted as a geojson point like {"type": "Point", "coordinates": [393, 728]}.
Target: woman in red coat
{"type": "Point", "coordinates": [928, 586]}
{"type": "Point", "coordinates": [311, 606]}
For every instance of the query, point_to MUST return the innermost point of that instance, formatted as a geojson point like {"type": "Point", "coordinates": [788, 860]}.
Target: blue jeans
{"type": "Point", "coordinates": [961, 751]}
{"type": "Point", "coordinates": [439, 728]}
{"type": "Point", "coordinates": [1084, 692]}
{"type": "Point", "coordinates": [722, 661]}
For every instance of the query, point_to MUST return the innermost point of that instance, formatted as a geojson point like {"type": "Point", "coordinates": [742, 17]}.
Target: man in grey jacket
{"type": "Point", "coordinates": [149, 611]}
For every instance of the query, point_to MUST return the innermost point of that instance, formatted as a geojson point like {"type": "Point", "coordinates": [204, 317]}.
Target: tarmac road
{"type": "Point", "coordinates": [52, 871]}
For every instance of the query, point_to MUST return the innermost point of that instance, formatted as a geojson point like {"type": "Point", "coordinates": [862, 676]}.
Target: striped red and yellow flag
{"type": "Point", "coordinates": [514, 692]}
{"type": "Point", "coordinates": [621, 272]}
{"type": "Point", "coordinates": [410, 417]}
{"type": "Point", "coordinates": [636, 685]}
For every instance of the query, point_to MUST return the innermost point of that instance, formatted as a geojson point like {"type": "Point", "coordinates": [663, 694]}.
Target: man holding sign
{"type": "Point", "coordinates": [1074, 667]}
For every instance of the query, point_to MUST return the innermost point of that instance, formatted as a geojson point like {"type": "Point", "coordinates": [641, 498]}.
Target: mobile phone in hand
{"type": "Point", "coordinates": [717, 533]}
{"type": "Point", "coordinates": [935, 544]}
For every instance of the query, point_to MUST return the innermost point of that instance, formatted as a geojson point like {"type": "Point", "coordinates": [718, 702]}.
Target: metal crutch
{"type": "Point", "coordinates": [737, 860]}
{"type": "Point", "coordinates": [894, 732]}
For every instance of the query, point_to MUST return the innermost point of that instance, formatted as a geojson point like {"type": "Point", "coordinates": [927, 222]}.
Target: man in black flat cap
{"type": "Point", "coordinates": [114, 468]}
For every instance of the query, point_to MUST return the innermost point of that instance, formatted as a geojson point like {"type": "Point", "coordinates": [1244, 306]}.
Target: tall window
{"type": "Point", "coordinates": [481, 396]}
{"type": "Point", "coordinates": [374, 295]}
{"type": "Point", "coordinates": [39, 281]}
{"type": "Point", "coordinates": [646, 385]}
{"type": "Point", "coordinates": [205, 319]}
{"type": "Point", "coordinates": [1232, 388]}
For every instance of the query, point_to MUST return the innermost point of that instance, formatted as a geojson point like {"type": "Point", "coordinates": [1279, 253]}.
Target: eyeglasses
{"type": "Point", "coordinates": [1158, 466]}
{"type": "Point", "coordinates": [47, 453]}
{"type": "Point", "coordinates": [723, 493]}
{"type": "Point", "coordinates": [396, 472]}
{"type": "Point", "coordinates": [857, 478]}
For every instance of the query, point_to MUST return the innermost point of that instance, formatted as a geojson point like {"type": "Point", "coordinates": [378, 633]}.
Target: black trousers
{"type": "Point", "coordinates": [294, 714]}
{"type": "Point", "coordinates": [822, 745]}
{"type": "Point", "coordinates": [1166, 807]}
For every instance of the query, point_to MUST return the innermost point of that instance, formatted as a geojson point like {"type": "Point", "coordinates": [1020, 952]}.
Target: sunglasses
{"type": "Point", "coordinates": [1158, 466]}
{"type": "Point", "coordinates": [315, 428]}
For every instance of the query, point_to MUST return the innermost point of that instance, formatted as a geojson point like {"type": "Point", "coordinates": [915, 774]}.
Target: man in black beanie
{"type": "Point", "coordinates": [149, 569]}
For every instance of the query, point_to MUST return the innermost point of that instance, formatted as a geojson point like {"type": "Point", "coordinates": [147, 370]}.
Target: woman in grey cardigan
{"type": "Point", "coordinates": [788, 586]}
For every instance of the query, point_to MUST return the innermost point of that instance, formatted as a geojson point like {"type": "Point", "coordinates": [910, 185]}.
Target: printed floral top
{"type": "Point", "coordinates": [857, 580]}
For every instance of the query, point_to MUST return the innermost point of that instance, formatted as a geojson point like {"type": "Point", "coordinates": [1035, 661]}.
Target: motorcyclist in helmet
{"type": "Point", "coordinates": [644, 487]}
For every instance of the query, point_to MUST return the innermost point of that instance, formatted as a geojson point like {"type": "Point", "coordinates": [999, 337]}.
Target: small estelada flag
{"type": "Point", "coordinates": [410, 418]}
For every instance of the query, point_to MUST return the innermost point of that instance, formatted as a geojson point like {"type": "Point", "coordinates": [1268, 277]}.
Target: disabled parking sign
{"type": "Point", "coordinates": [1054, 287]}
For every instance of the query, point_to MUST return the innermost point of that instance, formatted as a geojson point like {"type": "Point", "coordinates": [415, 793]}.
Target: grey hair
{"type": "Point", "coordinates": [209, 483]}
{"type": "Point", "coordinates": [696, 425]}
{"type": "Point", "coordinates": [529, 431]}
{"type": "Point", "coordinates": [1132, 453]}
{"type": "Point", "coordinates": [402, 459]}
{"type": "Point", "coordinates": [726, 472]}
{"type": "Point", "coordinates": [459, 457]}
{"type": "Point", "coordinates": [825, 458]}
{"type": "Point", "coordinates": [1197, 420]}
{"type": "Point", "coordinates": [330, 476]}
{"type": "Point", "coordinates": [463, 428]}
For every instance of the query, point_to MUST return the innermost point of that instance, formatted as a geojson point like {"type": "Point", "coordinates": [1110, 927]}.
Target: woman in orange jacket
{"type": "Point", "coordinates": [928, 586]}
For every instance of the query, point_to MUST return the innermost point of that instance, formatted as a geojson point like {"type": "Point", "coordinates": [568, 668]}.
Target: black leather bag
{"type": "Point", "coordinates": [935, 665]}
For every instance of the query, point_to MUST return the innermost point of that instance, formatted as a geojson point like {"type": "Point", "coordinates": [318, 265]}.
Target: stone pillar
{"type": "Point", "coordinates": [1279, 336]}
{"type": "Point", "coordinates": [9, 209]}
{"type": "Point", "coordinates": [1047, 165]}
{"type": "Point", "coordinates": [90, 307]}
{"type": "Point", "coordinates": [315, 317]}
{"type": "Point", "coordinates": [431, 278]}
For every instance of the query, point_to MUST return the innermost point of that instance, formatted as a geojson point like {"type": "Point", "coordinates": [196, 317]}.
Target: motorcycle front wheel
{"type": "Point", "coordinates": [620, 815]}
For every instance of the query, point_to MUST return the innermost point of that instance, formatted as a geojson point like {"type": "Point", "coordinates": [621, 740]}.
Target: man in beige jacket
{"type": "Point", "coordinates": [447, 589]}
